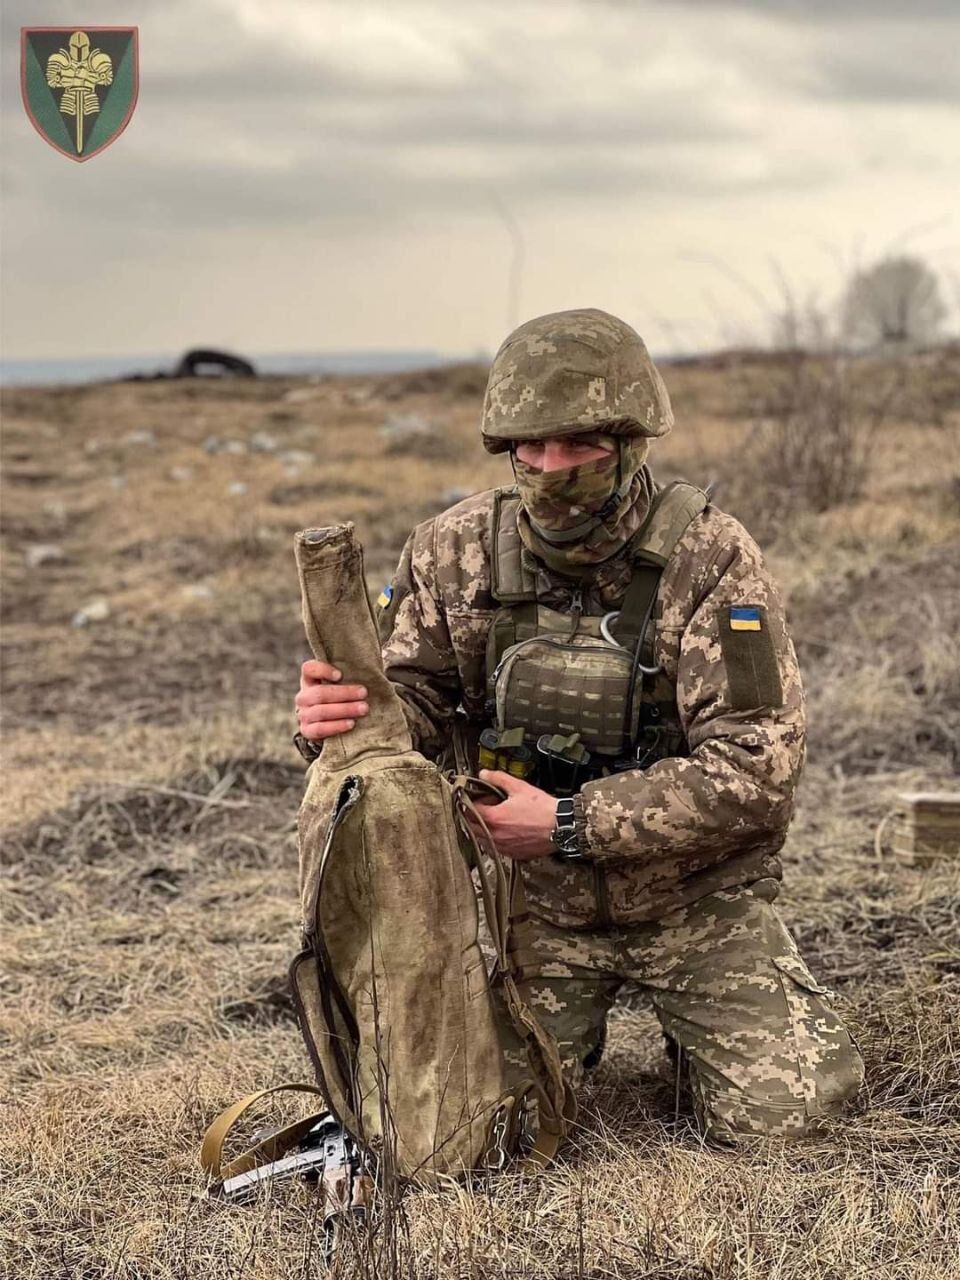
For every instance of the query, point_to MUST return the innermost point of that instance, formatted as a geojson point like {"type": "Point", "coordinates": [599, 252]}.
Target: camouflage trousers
{"type": "Point", "coordinates": [765, 1052]}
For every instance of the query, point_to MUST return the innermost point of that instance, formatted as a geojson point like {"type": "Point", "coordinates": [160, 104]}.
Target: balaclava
{"type": "Point", "coordinates": [578, 517]}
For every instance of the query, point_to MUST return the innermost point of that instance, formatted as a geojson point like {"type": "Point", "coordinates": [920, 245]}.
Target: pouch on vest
{"type": "Point", "coordinates": [555, 682]}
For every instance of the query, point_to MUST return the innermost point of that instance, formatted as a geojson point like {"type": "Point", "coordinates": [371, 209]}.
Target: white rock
{"type": "Point", "coordinates": [38, 553]}
{"type": "Point", "coordinates": [233, 446]}
{"type": "Point", "coordinates": [181, 473]}
{"type": "Point", "coordinates": [212, 444]}
{"type": "Point", "coordinates": [197, 591]}
{"type": "Point", "coordinates": [297, 395]}
{"type": "Point", "coordinates": [237, 489]}
{"type": "Point", "coordinates": [118, 482]}
{"type": "Point", "coordinates": [140, 437]}
{"type": "Point", "coordinates": [96, 611]}
{"type": "Point", "coordinates": [263, 442]}
{"type": "Point", "coordinates": [405, 426]}
{"type": "Point", "coordinates": [358, 395]}
{"type": "Point", "coordinates": [297, 457]}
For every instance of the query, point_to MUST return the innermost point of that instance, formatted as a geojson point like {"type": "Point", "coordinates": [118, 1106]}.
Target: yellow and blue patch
{"type": "Point", "coordinates": [745, 618]}
{"type": "Point", "coordinates": [385, 596]}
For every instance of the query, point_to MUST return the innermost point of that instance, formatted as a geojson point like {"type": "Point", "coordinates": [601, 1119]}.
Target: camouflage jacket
{"type": "Point", "coordinates": [686, 826]}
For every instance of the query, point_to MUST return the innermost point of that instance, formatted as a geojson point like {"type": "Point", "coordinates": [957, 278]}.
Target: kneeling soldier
{"type": "Point", "coordinates": [615, 655]}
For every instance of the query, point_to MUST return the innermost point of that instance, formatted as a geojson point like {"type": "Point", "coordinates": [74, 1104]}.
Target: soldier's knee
{"type": "Point", "coordinates": [799, 1109]}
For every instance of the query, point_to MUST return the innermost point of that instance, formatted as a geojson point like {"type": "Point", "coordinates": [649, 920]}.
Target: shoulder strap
{"type": "Point", "coordinates": [652, 546]}
{"type": "Point", "coordinates": [512, 579]}
{"type": "Point", "coordinates": [270, 1148]}
{"type": "Point", "coordinates": [671, 511]}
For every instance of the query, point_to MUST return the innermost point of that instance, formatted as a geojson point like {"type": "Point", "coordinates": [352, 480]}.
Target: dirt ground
{"type": "Point", "coordinates": [151, 645]}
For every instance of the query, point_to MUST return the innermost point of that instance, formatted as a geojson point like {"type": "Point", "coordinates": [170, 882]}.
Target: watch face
{"type": "Point", "coordinates": [564, 839]}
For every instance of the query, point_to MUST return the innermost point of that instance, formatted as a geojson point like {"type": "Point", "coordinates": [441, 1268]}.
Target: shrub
{"type": "Point", "coordinates": [815, 419]}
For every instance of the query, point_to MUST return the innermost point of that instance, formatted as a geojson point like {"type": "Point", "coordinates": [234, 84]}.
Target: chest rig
{"type": "Point", "coordinates": [578, 695]}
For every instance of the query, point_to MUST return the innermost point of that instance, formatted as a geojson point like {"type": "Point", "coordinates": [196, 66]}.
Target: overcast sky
{"type": "Point", "coordinates": [310, 175]}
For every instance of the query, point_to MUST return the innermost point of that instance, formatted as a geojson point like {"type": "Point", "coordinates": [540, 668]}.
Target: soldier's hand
{"type": "Point", "coordinates": [521, 824]}
{"type": "Point", "coordinates": [326, 707]}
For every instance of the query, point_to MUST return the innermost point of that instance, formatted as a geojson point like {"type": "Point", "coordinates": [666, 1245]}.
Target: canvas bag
{"type": "Point", "coordinates": [391, 988]}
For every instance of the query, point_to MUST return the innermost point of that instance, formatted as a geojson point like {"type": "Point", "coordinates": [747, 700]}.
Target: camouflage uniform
{"type": "Point", "coordinates": [683, 868]}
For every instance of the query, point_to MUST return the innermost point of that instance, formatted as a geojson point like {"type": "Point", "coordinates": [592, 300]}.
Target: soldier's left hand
{"type": "Point", "coordinates": [521, 824]}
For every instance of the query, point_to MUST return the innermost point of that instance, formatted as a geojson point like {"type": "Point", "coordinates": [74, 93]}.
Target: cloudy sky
{"type": "Point", "coordinates": [312, 175]}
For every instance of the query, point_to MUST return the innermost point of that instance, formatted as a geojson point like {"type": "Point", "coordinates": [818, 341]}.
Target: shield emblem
{"type": "Point", "coordinates": [79, 85]}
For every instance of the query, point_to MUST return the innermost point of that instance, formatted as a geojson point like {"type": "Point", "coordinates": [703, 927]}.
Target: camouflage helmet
{"type": "Point", "coordinates": [572, 371]}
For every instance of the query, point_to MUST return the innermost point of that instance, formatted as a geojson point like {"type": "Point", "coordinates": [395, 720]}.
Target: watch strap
{"type": "Point", "coordinates": [564, 835]}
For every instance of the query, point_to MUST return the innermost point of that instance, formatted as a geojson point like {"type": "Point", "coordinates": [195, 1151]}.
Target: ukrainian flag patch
{"type": "Point", "coordinates": [385, 596]}
{"type": "Point", "coordinates": [745, 618]}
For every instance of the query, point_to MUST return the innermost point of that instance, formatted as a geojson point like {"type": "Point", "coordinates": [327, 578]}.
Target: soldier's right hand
{"type": "Point", "coordinates": [326, 707]}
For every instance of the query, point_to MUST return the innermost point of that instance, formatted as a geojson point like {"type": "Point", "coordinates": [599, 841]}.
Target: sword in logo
{"type": "Point", "coordinates": [77, 71]}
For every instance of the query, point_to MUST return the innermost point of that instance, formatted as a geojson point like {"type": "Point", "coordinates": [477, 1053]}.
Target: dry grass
{"type": "Point", "coordinates": [150, 792]}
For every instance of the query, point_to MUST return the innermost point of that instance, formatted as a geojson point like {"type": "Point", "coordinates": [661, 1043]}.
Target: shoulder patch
{"type": "Point", "coordinates": [753, 670]}
{"type": "Point", "coordinates": [385, 596]}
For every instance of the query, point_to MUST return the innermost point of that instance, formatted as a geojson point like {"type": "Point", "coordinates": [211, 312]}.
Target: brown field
{"type": "Point", "coordinates": [150, 791]}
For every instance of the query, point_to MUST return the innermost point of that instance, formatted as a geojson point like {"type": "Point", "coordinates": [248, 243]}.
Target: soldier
{"type": "Point", "coordinates": [618, 652]}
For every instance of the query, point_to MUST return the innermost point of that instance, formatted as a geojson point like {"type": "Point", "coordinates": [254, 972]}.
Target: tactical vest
{"type": "Point", "coordinates": [554, 675]}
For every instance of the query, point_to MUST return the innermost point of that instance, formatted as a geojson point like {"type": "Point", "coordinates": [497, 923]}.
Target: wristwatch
{"type": "Point", "coordinates": [564, 835]}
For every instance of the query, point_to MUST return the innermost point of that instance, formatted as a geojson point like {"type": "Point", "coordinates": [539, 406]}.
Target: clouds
{"type": "Point", "coordinates": [923, 69]}
{"type": "Point", "coordinates": [867, 12]}
{"type": "Point", "coordinates": [375, 123]}
{"type": "Point", "coordinates": [437, 102]}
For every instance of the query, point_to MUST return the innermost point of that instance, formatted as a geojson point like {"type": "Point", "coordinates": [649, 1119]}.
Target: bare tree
{"type": "Point", "coordinates": [897, 300]}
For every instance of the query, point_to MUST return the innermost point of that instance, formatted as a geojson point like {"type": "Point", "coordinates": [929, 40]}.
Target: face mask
{"type": "Point", "coordinates": [558, 501]}
{"type": "Point", "coordinates": [577, 518]}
